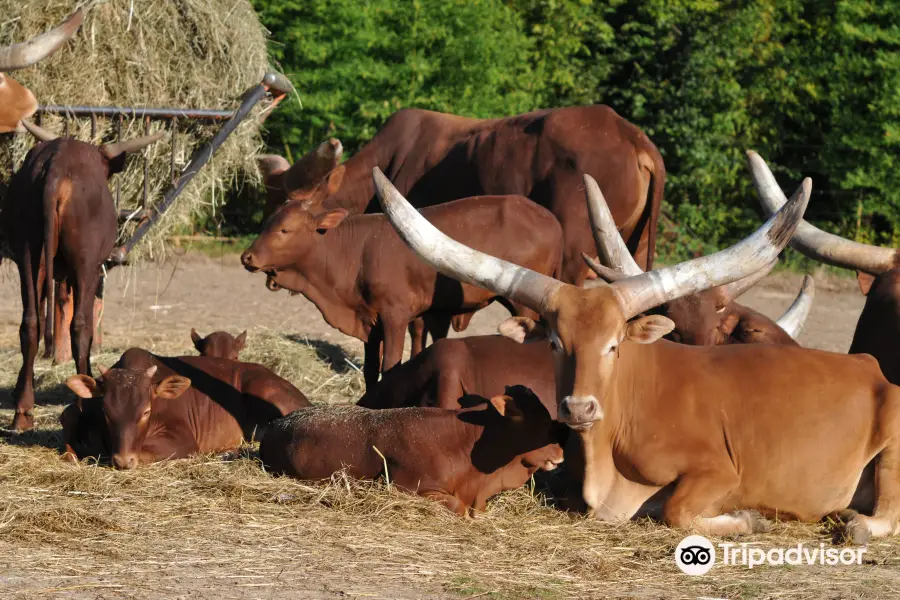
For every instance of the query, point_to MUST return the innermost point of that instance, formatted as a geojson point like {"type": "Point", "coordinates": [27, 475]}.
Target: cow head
{"type": "Point", "coordinates": [16, 101]}
{"type": "Point", "coordinates": [287, 236]}
{"type": "Point", "coordinates": [310, 180]}
{"type": "Point", "coordinates": [526, 430]}
{"type": "Point", "coordinates": [112, 156]}
{"type": "Point", "coordinates": [219, 344]}
{"type": "Point", "coordinates": [706, 318]}
{"type": "Point", "coordinates": [128, 398]}
{"type": "Point", "coordinates": [589, 327]}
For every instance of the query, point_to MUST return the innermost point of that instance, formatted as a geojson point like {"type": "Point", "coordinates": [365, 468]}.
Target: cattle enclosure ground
{"type": "Point", "coordinates": [219, 527]}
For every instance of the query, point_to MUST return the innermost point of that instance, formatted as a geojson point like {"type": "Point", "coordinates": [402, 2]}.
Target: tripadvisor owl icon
{"type": "Point", "coordinates": [695, 555]}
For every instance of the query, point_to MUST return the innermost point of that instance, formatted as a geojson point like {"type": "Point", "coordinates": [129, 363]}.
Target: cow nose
{"type": "Point", "coordinates": [124, 461]}
{"type": "Point", "coordinates": [247, 261]}
{"type": "Point", "coordinates": [580, 410]}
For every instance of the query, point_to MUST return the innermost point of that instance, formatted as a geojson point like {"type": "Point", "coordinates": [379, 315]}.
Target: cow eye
{"type": "Point", "coordinates": [613, 349]}
{"type": "Point", "coordinates": [284, 231]}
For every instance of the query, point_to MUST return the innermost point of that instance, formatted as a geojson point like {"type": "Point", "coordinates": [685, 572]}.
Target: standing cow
{"type": "Point", "coordinates": [61, 224]}
{"type": "Point", "coordinates": [715, 432]}
{"type": "Point", "coordinates": [434, 158]}
{"type": "Point", "coordinates": [369, 285]}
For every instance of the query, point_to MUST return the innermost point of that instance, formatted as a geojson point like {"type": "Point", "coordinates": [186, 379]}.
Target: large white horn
{"type": "Point", "coordinates": [24, 54]}
{"type": "Point", "coordinates": [458, 261]}
{"type": "Point", "coordinates": [813, 242]}
{"type": "Point", "coordinates": [794, 317]}
{"type": "Point", "coordinates": [643, 292]}
{"type": "Point", "coordinates": [610, 246]}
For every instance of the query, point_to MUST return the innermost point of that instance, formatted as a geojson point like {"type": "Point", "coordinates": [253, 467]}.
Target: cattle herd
{"type": "Point", "coordinates": [665, 396]}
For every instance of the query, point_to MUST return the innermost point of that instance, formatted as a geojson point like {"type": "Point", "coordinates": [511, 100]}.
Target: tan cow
{"type": "Point", "coordinates": [715, 432]}
{"type": "Point", "coordinates": [16, 101]}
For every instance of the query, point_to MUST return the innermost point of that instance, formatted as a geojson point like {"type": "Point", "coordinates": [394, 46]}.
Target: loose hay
{"type": "Point", "coordinates": [146, 53]}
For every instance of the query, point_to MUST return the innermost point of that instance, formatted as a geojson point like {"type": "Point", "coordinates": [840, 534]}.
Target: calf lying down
{"type": "Point", "coordinates": [457, 457]}
{"type": "Point", "coordinates": [148, 408]}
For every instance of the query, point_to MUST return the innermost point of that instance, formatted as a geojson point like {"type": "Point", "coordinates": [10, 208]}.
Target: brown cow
{"type": "Point", "coordinates": [369, 285]}
{"type": "Point", "coordinates": [148, 408]}
{"type": "Point", "coordinates": [16, 101]}
{"type": "Point", "coordinates": [878, 271]}
{"type": "Point", "coordinates": [434, 158]}
{"type": "Point", "coordinates": [707, 318]}
{"type": "Point", "coordinates": [715, 432]}
{"type": "Point", "coordinates": [61, 224]}
{"type": "Point", "coordinates": [219, 344]}
{"type": "Point", "coordinates": [458, 457]}
{"type": "Point", "coordinates": [481, 365]}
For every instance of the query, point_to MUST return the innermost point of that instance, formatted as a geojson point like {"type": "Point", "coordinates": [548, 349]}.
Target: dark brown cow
{"type": "Point", "coordinates": [458, 457]}
{"type": "Point", "coordinates": [148, 408]}
{"type": "Point", "coordinates": [219, 344]}
{"type": "Point", "coordinates": [878, 272]}
{"type": "Point", "coordinates": [710, 432]}
{"type": "Point", "coordinates": [369, 285]}
{"type": "Point", "coordinates": [707, 318]}
{"type": "Point", "coordinates": [481, 365]}
{"type": "Point", "coordinates": [16, 101]}
{"type": "Point", "coordinates": [61, 224]}
{"type": "Point", "coordinates": [434, 158]}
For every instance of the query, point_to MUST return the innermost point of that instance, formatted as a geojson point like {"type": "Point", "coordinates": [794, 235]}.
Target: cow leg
{"type": "Point", "coordinates": [48, 339]}
{"type": "Point", "coordinates": [696, 492]}
{"type": "Point", "coordinates": [394, 336]}
{"type": "Point", "coordinates": [372, 357]}
{"type": "Point", "coordinates": [62, 315]}
{"type": "Point", "coordinates": [98, 314]}
{"type": "Point", "coordinates": [453, 503]}
{"type": "Point", "coordinates": [83, 320]}
{"type": "Point", "coordinates": [30, 280]}
{"type": "Point", "coordinates": [417, 333]}
{"type": "Point", "coordinates": [885, 519]}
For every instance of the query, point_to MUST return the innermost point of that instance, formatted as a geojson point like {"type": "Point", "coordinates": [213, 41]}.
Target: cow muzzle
{"type": "Point", "coordinates": [579, 412]}
{"type": "Point", "coordinates": [250, 263]}
{"type": "Point", "coordinates": [125, 461]}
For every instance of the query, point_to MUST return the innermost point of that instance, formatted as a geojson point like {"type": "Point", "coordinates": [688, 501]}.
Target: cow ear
{"type": "Point", "coordinates": [506, 407]}
{"type": "Point", "coordinates": [240, 340]}
{"type": "Point", "coordinates": [195, 337]}
{"type": "Point", "coordinates": [172, 386]}
{"type": "Point", "coordinates": [84, 386]}
{"type": "Point", "coordinates": [865, 282]}
{"type": "Point", "coordinates": [335, 179]}
{"type": "Point", "coordinates": [522, 330]}
{"type": "Point", "coordinates": [330, 219]}
{"type": "Point", "coordinates": [729, 323]}
{"type": "Point", "coordinates": [647, 330]}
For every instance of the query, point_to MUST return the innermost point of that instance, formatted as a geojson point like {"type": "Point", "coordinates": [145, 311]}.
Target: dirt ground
{"type": "Point", "coordinates": [215, 528]}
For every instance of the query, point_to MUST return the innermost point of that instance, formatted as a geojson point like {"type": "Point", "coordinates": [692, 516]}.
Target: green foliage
{"type": "Point", "coordinates": [813, 85]}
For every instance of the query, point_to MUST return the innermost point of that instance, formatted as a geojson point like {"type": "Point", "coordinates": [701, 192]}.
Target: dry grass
{"type": "Point", "coordinates": [181, 53]}
{"type": "Point", "coordinates": [220, 527]}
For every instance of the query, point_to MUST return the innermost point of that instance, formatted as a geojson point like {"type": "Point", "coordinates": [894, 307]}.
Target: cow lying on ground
{"type": "Point", "coordinates": [367, 283]}
{"type": "Point", "coordinates": [16, 101]}
{"type": "Point", "coordinates": [62, 225]}
{"type": "Point", "coordinates": [878, 272]}
{"type": "Point", "coordinates": [219, 344]}
{"type": "Point", "coordinates": [709, 317]}
{"type": "Point", "coordinates": [148, 408]}
{"type": "Point", "coordinates": [714, 432]}
{"type": "Point", "coordinates": [460, 458]}
{"type": "Point", "coordinates": [434, 158]}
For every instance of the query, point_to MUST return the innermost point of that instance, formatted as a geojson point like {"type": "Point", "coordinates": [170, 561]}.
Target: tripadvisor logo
{"type": "Point", "coordinates": [696, 555]}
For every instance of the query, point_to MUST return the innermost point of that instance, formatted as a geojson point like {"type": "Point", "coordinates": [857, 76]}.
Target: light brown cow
{"type": "Point", "coordinates": [716, 432]}
{"type": "Point", "coordinates": [457, 457]}
{"type": "Point", "coordinates": [707, 318]}
{"type": "Point", "coordinates": [16, 101]}
{"type": "Point", "coordinates": [435, 158]}
{"type": "Point", "coordinates": [219, 344]}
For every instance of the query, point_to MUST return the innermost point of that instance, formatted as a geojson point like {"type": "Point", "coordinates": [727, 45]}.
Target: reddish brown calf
{"type": "Point", "coordinates": [219, 344]}
{"type": "Point", "coordinates": [460, 458]}
{"type": "Point", "coordinates": [148, 408]}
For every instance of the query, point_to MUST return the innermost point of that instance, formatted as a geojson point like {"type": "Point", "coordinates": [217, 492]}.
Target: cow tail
{"type": "Point", "coordinates": [51, 229]}
{"type": "Point", "coordinates": [652, 160]}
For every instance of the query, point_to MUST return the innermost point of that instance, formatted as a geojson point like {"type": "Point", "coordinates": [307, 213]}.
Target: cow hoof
{"type": "Point", "coordinates": [756, 523]}
{"type": "Point", "coordinates": [23, 421]}
{"type": "Point", "coordinates": [856, 532]}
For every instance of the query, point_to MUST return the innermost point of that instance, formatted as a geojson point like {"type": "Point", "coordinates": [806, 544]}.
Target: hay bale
{"type": "Point", "coordinates": [145, 53]}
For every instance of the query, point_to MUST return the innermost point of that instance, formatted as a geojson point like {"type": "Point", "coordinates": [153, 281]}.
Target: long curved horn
{"type": "Point", "coordinates": [458, 261]}
{"type": "Point", "coordinates": [24, 54]}
{"type": "Point", "coordinates": [610, 245]}
{"type": "Point", "coordinates": [813, 242]}
{"type": "Point", "coordinates": [643, 292]}
{"type": "Point", "coordinates": [732, 291]}
{"type": "Point", "coordinates": [113, 150]}
{"type": "Point", "coordinates": [794, 317]}
{"type": "Point", "coordinates": [38, 132]}
{"type": "Point", "coordinates": [605, 273]}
